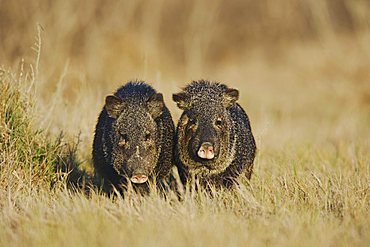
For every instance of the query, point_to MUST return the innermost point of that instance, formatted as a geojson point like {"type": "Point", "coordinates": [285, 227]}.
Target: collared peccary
{"type": "Point", "coordinates": [134, 137]}
{"type": "Point", "coordinates": [213, 140]}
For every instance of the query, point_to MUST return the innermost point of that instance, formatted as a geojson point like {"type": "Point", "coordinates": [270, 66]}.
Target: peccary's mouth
{"type": "Point", "coordinates": [139, 178]}
{"type": "Point", "coordinates": [207, 163]}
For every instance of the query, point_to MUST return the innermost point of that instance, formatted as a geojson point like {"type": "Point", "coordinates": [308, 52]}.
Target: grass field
{"type": "Point", "coordinates": [302, 68]}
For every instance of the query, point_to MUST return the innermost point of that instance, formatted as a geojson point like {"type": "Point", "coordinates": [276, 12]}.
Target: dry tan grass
{"type": "Point", "coordinates": [302, 70]}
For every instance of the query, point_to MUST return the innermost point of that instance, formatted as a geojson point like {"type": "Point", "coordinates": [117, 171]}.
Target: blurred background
{"type": "Point", "coordinates": [302, 66]}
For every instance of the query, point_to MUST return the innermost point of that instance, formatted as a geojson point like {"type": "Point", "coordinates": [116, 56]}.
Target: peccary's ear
{"type": "Point", "coordinates": [113, 105]}
{"type": "Point", "coordinates": [230, 97]}
{"type": "Point", "coordinates": [182, 100]}
{"type": "Point", "coordinates": [155, 105]}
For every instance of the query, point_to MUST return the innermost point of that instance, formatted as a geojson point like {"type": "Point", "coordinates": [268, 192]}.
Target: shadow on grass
{"type": "Point", "coordinates": [77, 174]}
{"type": "Point", "coordinates": [72, 169]}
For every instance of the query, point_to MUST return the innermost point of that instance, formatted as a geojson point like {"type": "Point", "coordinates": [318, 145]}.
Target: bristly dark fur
{"type": "Point", "coordinates": [134, 120]}
{"type": "Point", "coordinates": [135, 89]}
{"type": "Point", "coordinates": [204, 103]}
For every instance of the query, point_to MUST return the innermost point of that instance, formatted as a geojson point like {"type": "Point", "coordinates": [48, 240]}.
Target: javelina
{"type": "Point", "coordinates": [133, 136]}
{"type": "Point", "coordinates": [213, 140]}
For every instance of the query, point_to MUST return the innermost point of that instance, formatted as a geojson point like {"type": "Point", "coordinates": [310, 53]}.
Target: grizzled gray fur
{"type": "Point", "coordinates": [134, 137]}
{"type": "Point", "coordinates": [213, 140]}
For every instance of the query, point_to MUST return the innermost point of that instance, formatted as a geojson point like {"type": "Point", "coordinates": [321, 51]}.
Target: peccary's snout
{"type": "Point", "coordinates": [139, 169]}
{"type": "Point", "coordinates": [206, 151]}
{"type": "Point", "coordinates": [139, 178]}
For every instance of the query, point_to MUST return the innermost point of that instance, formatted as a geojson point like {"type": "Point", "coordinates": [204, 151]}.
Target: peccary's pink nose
{"type": "Point", "coordinates": [206, 151]}
{"type": "Point", "coordinates": [139, 178]}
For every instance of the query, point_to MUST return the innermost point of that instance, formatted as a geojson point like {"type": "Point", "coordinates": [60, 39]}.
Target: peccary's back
{"type": "Point", "coordinates": [137, 91]}
{"type": "Point", "coordinates": [245, 144]}
{"type": "Point", "coordinates": [102, 148]}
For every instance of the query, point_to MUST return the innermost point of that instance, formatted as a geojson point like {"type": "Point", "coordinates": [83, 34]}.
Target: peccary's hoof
{"type": "Point", "coordinates": [139, 179]}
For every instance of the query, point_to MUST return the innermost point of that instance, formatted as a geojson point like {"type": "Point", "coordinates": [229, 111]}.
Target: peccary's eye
{"type": "Point", "coordinates": [147, 136]}
{"type": "Point", "coordinates": [219, 122]}
{"type": "Point", "coordinates": [191, 121]}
